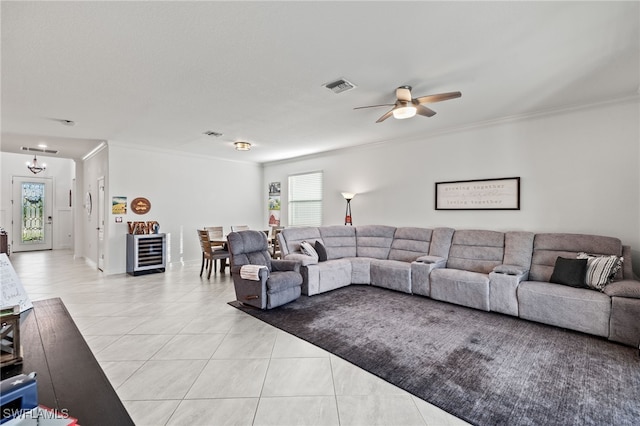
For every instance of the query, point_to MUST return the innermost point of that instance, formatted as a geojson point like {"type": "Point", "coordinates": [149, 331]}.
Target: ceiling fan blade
{"type": "Point", "coordinates": [374, 106]}
{"type": "Point", "coordinates": [423, 110]}
{"type": "Point", "coordinates": [438, 98]}
{"type": "Point", "coordinates": [403, 93]}
{"type": "Point", "coordinates": [385, 116]}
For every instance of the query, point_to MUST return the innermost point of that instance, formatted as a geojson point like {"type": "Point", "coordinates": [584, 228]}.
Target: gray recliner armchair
{"type": "Point", "coordinates": [278, 283]}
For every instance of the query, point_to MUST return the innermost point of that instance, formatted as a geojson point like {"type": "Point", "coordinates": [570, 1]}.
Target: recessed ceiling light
{"type": "Point", "coordinates": [42, 145]}
{"type": "Point", "coordinates": [242, 146]}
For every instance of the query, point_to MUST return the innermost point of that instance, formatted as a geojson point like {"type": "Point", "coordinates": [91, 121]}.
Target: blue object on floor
{"type": "Point", "coordinates": [18, 394]}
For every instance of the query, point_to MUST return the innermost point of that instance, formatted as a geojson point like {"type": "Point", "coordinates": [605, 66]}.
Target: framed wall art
{"type": "Point", "coordinates": [274, 204]}
{"type": "Point", "coordinates": [482, 194]}
{"type": "Point", "coordinates": [140, 205]}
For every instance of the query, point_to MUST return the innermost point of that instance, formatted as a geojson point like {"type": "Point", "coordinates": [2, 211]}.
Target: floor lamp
{"type": "Point", "coordinates": [347, 216]}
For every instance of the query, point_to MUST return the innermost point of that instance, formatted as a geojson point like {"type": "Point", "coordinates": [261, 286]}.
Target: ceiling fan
{"type": "Point", "coordinates": [407, 107]}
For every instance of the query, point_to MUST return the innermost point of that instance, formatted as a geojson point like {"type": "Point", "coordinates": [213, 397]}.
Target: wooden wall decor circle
{"type": "Point", "coordinates": [140, 205]}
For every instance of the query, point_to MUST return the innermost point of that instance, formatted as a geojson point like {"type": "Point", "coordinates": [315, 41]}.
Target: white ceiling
{"type": "Point", "coordinates": [162, 73]}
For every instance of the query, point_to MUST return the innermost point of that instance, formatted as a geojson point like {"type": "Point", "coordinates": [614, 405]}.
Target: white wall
{"type": "Point", "coordinates": [62, 173]}
{"type": "Point", "coordinates": [87, 181]}
{"type": "Point", "coordinates": [579, 173]}
{"type": "Point", "coordinates": [186, 192]}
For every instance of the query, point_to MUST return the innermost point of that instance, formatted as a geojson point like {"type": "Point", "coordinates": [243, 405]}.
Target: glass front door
{"type": "Point", "coordinates": [32, 220]}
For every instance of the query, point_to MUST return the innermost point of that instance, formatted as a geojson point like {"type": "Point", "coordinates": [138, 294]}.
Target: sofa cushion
{"type": "Point", "coordinates": [600, 269]}
{"type": "Point", "coordinates": [476, 250]}
{"type": "Point", "coordinates": [578, 309]}
{"type": "Point", "coordinates": [279, 281]}
{"type": "Point", "coordinates": [334, 274]}
{"type": "Point", "coordinates": [441, 242]}
{"type": "Point", "coordinates": [294, 236]}
{"type": "Point", "coordinates": [569, 272]}
{"type": "Point", "coordinates": [360, 270]}
{"type": "Point", "coordinates": [340, 241]}
{"type": "Point", "coordinates": [322, 252]}
{"type": "Point", "coordinates": [460, 287]}
{"type": "Point", "coordinates": [374, 241]}
{"type": "Point", "coordinates": [518, 248]}
{"type": "Point", "coordinates": [410, 243]}
{"type": "Point", "coordinates": [547, 247]}
{"type": "Point", "coordinates": [391, 274]}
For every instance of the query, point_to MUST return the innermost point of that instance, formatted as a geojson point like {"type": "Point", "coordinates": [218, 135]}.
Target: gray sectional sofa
{"type": "Point", "coordinates": [505, 272]}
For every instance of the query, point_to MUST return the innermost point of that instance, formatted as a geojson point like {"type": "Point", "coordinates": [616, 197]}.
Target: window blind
{"type": "Point", "coordinates": [305, 199]}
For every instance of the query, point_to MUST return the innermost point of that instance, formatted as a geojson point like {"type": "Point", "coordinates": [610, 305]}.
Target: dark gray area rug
{"type": "Point", "coordinates": [486, 368]}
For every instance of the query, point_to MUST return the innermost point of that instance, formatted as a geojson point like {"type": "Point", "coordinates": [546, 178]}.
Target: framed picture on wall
{"type": "Point", "coordinates": [274, 204]}
{"type": "Point", "coordinates": [482, 194]}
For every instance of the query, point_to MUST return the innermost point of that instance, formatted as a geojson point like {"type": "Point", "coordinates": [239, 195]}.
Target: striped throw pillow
{"type": "Point", "coordinates": [307, 248]}
{"type": "Point", "coordinates": [600, 269]}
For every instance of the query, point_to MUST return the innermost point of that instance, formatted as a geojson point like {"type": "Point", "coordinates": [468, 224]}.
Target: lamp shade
{"type": "Point", "coordinates": [348, 195]}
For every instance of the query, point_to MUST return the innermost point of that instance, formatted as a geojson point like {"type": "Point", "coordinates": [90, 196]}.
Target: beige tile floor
{"type": "Point", "coordinates": [178, 354]}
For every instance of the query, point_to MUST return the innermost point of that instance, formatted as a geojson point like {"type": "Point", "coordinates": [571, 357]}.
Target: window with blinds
{"type": "Point", "coordinates": [305, 199]}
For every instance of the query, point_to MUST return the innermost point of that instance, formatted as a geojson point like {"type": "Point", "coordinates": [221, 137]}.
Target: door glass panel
{"type": "Point", "coordinates": [32, 212]}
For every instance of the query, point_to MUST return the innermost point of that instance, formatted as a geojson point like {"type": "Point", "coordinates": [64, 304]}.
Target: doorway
{"type": "Point", "coordinates": [32, 221]}
{"type": "Point", "coordinates": [101, 212]}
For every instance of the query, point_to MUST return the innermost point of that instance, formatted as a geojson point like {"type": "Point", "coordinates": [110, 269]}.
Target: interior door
{"type": "Point", "coordinates": [101, 211]}
{"type": "Point", "coordinates": [32, 218]}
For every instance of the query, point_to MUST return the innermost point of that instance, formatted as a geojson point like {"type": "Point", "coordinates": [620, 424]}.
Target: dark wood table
{"type": "Point", "coordinates": [69, 377]}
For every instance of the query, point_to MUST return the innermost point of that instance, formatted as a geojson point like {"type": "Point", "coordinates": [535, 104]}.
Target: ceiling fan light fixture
{"type": "Point", "coordinates": [242, 146]}
{"type": "Point", "coordinates": [406, 111]}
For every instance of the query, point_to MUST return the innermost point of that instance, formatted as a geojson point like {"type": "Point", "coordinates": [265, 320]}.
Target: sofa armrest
{"type": "Point", "coordinates": [420, 272]}
{"type": "Point", "coordinates": [624, 288]}
{"type": "Point", "coordinates": [286, 264]}
{"type": "Point", "coordinates": [503, 288]}
{"type": "Point", "coordinates": [510, 269]}
{"type": "Point", "coordinates": [302, 258]}
{"type": "Point", "coordinates": [263, 274]}
{"type": "Point", "coordinates": [439, 261]}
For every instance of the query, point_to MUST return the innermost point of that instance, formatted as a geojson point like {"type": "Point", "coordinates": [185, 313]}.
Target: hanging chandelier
{"type": "Point", "coordinates": [35, 167]}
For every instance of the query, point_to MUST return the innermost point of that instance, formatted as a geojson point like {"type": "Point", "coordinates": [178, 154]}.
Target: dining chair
{"type": "Point", "coordinates": [209, 255]}
{"type": "Point", "coordinates": [236, 228]}
{"type": "Point", "coordinates": [275, 245]}
{"type": "Point", "coordinates": [216, 235]}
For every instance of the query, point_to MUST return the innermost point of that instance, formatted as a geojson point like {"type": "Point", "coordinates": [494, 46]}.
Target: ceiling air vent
{"type": "Point", "coordinates": [340, 86]}
{"type": "Point", "coordinates": [45, 150]}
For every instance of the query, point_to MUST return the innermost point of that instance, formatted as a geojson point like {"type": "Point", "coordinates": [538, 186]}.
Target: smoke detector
{"type": "Point", "coordinates": [340, 86]}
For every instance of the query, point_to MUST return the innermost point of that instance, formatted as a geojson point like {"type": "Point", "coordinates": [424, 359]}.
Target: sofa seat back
{"type": "Point", "coordinates": [339, 241]}
{"type": "Point", "coordinates": [374, 241]}
{"type": "Point", "coordinates": [476, 250]}
{"type": "Point", "coordinates": [549, 246]}
{"type": "Point", "coordinates": [410, 243]}
{"type": "Point", "coordinates": [290, 238]}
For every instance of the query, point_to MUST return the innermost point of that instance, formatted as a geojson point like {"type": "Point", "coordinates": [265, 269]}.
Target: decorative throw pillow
{"type": "Point", "coordinates": [600, 269]}
{"type": "Point", "coordinates": [322, 252]}
{"type": "Point", "coordinates": [308, 249]}
{"type": "Point", "coordinates": [569, 272]}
